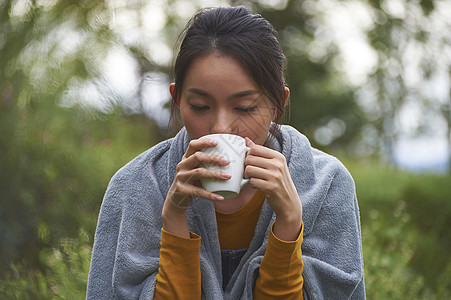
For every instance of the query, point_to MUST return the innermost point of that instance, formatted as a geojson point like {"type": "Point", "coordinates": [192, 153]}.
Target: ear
{"type": "Point", "coordinates": [286, 96]}
{"type": "Point", "coordinates": [172, 91]}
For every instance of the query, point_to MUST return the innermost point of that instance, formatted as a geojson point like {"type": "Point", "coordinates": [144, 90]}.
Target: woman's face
{"type": "Point", "coordinates": [219, 96]}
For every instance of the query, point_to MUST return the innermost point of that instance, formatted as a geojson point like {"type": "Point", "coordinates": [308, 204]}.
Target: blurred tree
{"type": "Point", "coordinates": [55, 159]}
{"type": "Point", "coordinates": [322, 105]}
{"type": "Point", "coordinates": [359, 116]}
{"type": "Point", "coordinates": [413, 45]}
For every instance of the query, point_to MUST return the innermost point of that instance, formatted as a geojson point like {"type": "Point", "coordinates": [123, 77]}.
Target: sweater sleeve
{"type": "Point", "coordinates": [280, 274]}
{"type": "Point", "coordinates": [281, 270]}
{"type": "Point", "coordinates": [179, 271]}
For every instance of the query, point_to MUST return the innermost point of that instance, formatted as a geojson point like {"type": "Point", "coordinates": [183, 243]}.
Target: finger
{"type": "Point", "coordinates": [249, 142]}
{"type": "Point", "coordinates": [263, 151]}
{"type": "Point", "coordinates": [260, 184]}
{"type": "Point", "coordinates": [198, 144]}
{"type": "Point", "coordinates": [257, 161]}
{"type": "Point", "coordinates": [201, 173]}
{"type": "Point", "coordinates": [195, 191]}
{"type": "Point", "coordinates": [202, 158]}
{"type": "Point", "coordinates": [257, 172]}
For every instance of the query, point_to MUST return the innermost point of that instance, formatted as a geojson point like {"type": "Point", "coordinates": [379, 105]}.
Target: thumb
{"type": "Point", "coordinates": [249, 142]}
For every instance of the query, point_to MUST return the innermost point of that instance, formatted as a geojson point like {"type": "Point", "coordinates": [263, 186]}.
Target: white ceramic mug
{"type": "Point", "coordinates": [233, 148]}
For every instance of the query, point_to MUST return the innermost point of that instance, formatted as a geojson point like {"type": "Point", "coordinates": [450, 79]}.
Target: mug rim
{"type": "Point", "coordinates": [216, 134]}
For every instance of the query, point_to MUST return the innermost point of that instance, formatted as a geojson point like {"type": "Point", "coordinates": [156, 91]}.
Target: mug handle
{"type": "Point", "coordinates": [245, 181]}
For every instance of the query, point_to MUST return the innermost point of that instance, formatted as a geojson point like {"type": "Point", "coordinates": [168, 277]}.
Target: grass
{"type": "Point", "coordinates": [406, 244]}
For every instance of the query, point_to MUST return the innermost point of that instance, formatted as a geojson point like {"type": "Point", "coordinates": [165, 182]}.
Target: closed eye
{"type": "Point", "coordinates": [246, 109]}
{"type": "Point", "coordinates": [199, 107]}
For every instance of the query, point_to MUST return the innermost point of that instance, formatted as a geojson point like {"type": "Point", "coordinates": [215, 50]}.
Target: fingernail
{"type": "Point", "coordinates": [225, 175]}
{"type": "Point", "coordinates": [218, 197]}
{"type": "Point", "coordinates": [224, 161]}
{"type": "Point", "coordinates": [213, 142]}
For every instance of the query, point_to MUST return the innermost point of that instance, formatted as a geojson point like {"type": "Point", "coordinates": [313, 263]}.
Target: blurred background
{"type": "Point", "coordinates": [84, 89]}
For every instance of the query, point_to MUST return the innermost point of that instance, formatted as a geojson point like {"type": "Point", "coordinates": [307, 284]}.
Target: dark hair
{"type": "Point", "coordinates": [248, 38]}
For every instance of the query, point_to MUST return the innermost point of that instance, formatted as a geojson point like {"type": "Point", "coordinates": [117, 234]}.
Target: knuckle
{"type": "Point", "coordinates": [247, 169]}
{"type": "Point", "coordinates": [198, 192]}
{"type": "Point", "coordinates": [197, 171]}
{"type": "Point", "coordinates": [195, 192]}
{"type": "Point", "coordinates": [272, 185]}
{"type": "Point", "coordinates": [273, 179]}
{"type": "Point", "coordinates": [178, 186]}
{"type": "Point", "coordinates": [214, 158]}
{"type": "Point", "coordinates": [209, 173]}
{"type": "Point", "coordinates": [179, 167]}
{"type": "Point", "coordinates": [177, 177]}
{"type": "Point", "coordinates": [192, 143]}
{"type": "Point", "coordinates": [198, 156]}
{"type": "Point", "coordinates": [280, 164]}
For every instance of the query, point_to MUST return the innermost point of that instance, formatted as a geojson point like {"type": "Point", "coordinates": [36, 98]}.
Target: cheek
{"type": "Point", "coordinates": [195, 126]}
{"type": "Point", "coordinates": [255, 127]}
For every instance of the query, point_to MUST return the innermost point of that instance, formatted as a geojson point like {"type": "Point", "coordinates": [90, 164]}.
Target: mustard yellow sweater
{"type": "Point", "coordinates": [280, 274]}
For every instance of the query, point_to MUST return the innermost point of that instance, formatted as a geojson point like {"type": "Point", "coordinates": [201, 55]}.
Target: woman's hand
{"type": "Point", "coordinates": [268, 172]}
{"type": "Point", "coordinates": [186, 184]}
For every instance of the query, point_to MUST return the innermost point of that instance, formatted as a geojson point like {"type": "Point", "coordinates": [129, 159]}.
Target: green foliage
{"type": "Point", "coordinates": [56, 163]}
{"type": "Point", "coordinates": [65, 277]}
{"type": "Point", "coordinates": [405, 218]}
{"type": "Point", "coordinates": [432, 196]}
{"type": "Point", "coordinates": [55, 166]}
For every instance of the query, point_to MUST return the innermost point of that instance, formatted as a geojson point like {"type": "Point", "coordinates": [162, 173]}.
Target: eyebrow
{"type": "Point", "coordinates": [199, 92]}
{"type": "Point", "coordinates": [237, 95]}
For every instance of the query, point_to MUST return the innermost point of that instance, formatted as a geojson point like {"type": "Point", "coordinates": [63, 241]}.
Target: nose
{"type": "Point", "coordinates": [225, 122]}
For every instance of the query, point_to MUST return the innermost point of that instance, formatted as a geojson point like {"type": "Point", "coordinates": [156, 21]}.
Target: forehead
{"type": "Point", "coordinates": [218, 70]}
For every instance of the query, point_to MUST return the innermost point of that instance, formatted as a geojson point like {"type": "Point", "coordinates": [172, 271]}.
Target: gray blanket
{"type": "Point", "coordinates": [125, 255]}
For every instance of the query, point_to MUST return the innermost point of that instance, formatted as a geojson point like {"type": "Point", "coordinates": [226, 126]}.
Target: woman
{"type": "Point", "coordinates": [160, 235]}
